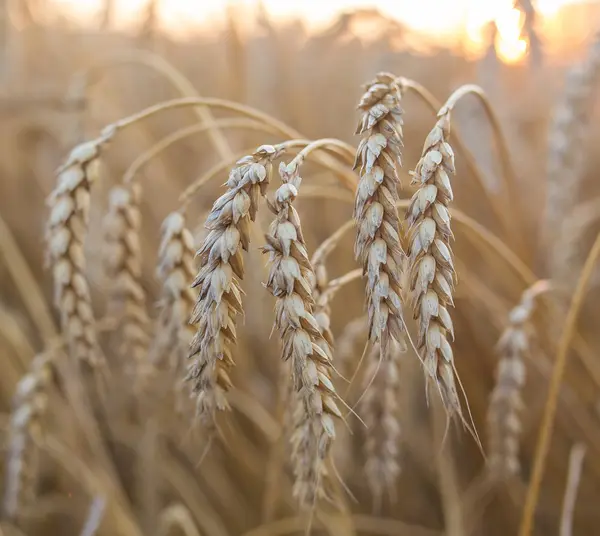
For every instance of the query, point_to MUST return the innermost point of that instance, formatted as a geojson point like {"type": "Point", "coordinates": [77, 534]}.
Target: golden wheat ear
{"type": "Point", "coordinates": [291, 280]}
{"type": "Point", "coordinates": [29, 408]}
{"type": "Point", "coordinates": [378, 244]}
{"type": "Point", "coordinates": [506, 403]}
{"type": "Point", "coordinates": [379, 410]}
{"type": "Point", "coordinates": [67, 225]}
{"type": "Point", "coordinates": [221, 269]}
{"type": "Point", "coordinates": [123, 272]}
{"type": "Point", "coordinates": [175, 271]}
{"type": "Point", "coordinates": [430, 262]}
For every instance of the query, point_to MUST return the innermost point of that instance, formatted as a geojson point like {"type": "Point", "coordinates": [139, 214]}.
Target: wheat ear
{"type": "Point", "coordinates": [506, 403]}
{"type": "Point", "coordinates": [221, 268]}
{"type": "Point", "coordinates": [29, 407]}
{"type": "Point", "coordinates": [378, 244]}
{"type": "Point", "coordinates": [566, 149]}
{"type": "Point", "coordinates": [379, 410]}
{"type": "Point", "coordinates": [123, 271]}
{"type": "Point", "coordinates": [69, 212]}
{"type": "Point", "coordinates": [430, 264]}
{"type": "Point", "coordinates": [175, 271]}
{"type": "Point", "coordinates": [304, 346]}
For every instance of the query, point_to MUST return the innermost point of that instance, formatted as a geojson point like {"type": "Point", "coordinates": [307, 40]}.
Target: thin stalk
{"type": "Point", "coordinates": [512, 197]}
{"type": "Point", "coordinates": [194, 188]}
{"type": "Point", "coordinates": [547, 426]}
{"type": "Point", "coordinates": [576, 458]}
{"type": "Point", "coordinates": [26, 284]}
{"type": "Point", "coordinates": [84, 79]}
{"type": "Point", "coordinates": [186, 132]}
{"type": "Point", "coordinates": [344, 174]}
{"type": "Point", "coordinates": [502, 215]}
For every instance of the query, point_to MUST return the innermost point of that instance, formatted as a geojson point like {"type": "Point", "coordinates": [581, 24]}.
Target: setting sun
{"type": "Point", "coordinates": [439, 19]}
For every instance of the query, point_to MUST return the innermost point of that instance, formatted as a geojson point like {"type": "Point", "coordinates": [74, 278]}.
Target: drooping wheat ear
{"type": "Point", "coordinates": [221, 266]}
{"type": "Point", "coordinates": [506, 404]}
{"type": "Point", "coordinates": [379, 410]}
{"type": "Point", "coordinates": [69, 211]}
{"type": "Point", "coordinates": [304, 346]}
{"type": "Point", "coordinates": [123, 270]}
{"type": "Point", "coordinates": [378, 244]}
{"type": "Point", "coordinates": [566, 148]}
{"type": "Point", "coordinates": [430, 265]}
{"type": "Point", "coordinates": [175, 270]}
{"type": "Point", "coordinates": [29, 406]}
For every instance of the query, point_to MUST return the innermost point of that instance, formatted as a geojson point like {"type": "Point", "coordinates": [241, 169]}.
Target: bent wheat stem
{"type": "Point", "coordinates": [547, 424]}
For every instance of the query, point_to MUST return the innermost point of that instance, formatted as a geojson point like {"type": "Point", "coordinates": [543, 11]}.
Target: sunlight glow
{"type": "Point", "coordinates": [436, 18]}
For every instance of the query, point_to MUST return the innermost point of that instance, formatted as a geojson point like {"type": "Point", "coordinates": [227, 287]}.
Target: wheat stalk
{"type": "Point", "coordinates": [29, 407]}
{"type": "Point", "coordinates": [378, 244]}
{"type": "Point", "coordinates": [221, 268]}
{"type": "Point", "coordinates": [123, 271]}
{"type": "Point", "coordinates": [431, 269]}
{"type": "Point", "coordinates": [304, 346]}
{"type": "Point", "coordinates": [506, 404]}
{"type": "Point", "coordinates": [69, 212]}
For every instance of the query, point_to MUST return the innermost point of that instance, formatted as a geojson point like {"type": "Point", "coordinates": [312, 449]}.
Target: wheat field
{"type": "Point", "coordinates": [276, 282]}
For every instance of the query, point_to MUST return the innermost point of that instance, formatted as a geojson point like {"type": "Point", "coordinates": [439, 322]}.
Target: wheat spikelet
{"type": "Point", "coordinates": [29, 406]}
{"type": "Point", "coordinates": [304, 346]}
{"type": "Point", "coordinates": [379, 410]}
{"type": "Point", "coordinates": [378, 244]}
{"type": "Point", "coordinates": [566, 148]}
{"type": "Point", "coordinates": [69, 211]}
{"type": "Point", "coordinates": [431, 269]}
{"type": "Point", "coordinates": [506, 404]}
{"type": "Point", "coordinates": [221, 265]}
{"type": "Point", "coordinates": [123, 269]}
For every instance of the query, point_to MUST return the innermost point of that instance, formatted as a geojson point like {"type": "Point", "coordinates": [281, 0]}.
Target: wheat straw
{"type": "Point", "coordinates": [378, 244]}
{"type": "Point", "coordinates": [304, 346]}
{"type": "Point", "coordinates": [506, 403]}
{"type": "Point", "coordinates": [576, 459]}
{"type": "Point", "coordinates": [221, 266]}
{"type": "Point", "coordinates": [547, 424]}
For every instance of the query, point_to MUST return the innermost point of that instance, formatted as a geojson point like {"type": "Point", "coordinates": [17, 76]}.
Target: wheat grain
{"type": "Point", "coordinates": [123, 270]}
{"type": "Point", "coordinates": [29, 407]}
{"type": "Point", "coordinates": [506, 403]}
{"type": "Point", "coordinates": [221, 265]}
{"type": "Point", "coordinates": [69, 212]}
{"type": "Point", "coordinates": [378, 244]}
{"type": "Point", "coordinates": [304, 346]}
{"type": "Point", "coordinates": [431, 269]}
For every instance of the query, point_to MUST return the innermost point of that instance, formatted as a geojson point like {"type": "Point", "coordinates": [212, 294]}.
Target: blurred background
{"type": "Point", "coordinates": [70, 67]}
